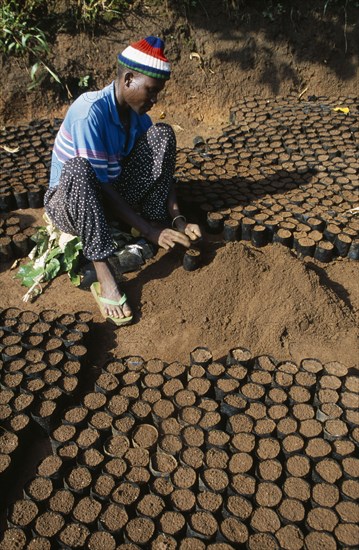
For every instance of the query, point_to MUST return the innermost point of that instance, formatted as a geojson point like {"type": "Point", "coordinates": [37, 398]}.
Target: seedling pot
{"type": "Point", "coordinates": [191, 259]}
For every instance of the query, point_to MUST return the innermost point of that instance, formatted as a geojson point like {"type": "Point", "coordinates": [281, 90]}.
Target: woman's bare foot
{"type": "Point", "coordinates": [109, 290]}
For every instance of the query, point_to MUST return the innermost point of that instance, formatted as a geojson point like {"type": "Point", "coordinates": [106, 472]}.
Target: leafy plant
{"type": "Point", "coordinates": [92, 12]}
{"type": "Point", "coordinates": [52, 255]}
{"type": "Point", "coordinates": [19, 36]}
{"type": "Point", "coordinates": [84, 81]}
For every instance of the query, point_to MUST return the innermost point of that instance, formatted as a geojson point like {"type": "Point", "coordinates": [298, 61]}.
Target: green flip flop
{"type": "Point", "coordinates": [96, 289]}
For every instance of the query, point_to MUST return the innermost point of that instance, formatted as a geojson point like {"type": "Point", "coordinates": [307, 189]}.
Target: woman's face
{"type": "Point", "coordinates": [141, 91]}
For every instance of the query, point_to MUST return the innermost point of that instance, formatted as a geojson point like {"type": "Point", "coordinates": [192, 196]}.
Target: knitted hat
{"type": "Point", "coordinates": [147, 57]}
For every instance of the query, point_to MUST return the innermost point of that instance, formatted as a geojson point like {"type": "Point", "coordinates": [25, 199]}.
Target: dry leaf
{"type": "Point", "coordinates": [15, 264]}
{"type": "Point", "coordinates": [10, 149]}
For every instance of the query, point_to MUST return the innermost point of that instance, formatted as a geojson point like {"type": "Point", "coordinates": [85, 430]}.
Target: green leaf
{"type": "Point", "coordinates": [33, 71]}
{"type": "Point", "coordinates": [54, 252]}
{"type": "Point", "coordinates": [27, 274]}
{"type": "Point", "coordinates": [51, 269]}
{"type": "Point", "coordinates": [75, 278]}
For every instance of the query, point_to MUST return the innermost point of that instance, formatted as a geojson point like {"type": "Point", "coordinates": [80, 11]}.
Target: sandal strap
{"type": "Point", "coordinates": [120, 302]}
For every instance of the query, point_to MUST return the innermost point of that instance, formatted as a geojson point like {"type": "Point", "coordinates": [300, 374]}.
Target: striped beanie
{"type": "Point", "coordinates": [146, 56]}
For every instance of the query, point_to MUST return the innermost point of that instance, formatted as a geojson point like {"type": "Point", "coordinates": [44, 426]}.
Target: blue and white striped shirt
{"type": "Point", "coordinates": [92, 129]}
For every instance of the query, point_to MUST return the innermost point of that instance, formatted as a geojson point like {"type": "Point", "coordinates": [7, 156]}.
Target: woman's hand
{"type": "Point", "coordinates": [192, 231]}
{"type": "Point", "coordinates": [168, 238]}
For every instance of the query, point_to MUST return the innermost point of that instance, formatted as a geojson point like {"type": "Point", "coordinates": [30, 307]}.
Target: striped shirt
{"type": "Point", "coordinates": [92, 129]}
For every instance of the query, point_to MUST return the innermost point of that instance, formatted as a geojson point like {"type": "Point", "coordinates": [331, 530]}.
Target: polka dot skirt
{"type": "Point", "coordinates": [75, 206]}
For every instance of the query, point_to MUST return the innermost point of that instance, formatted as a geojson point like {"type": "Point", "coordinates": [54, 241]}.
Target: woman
{"type": "Point", "coordinates": [110, 160]}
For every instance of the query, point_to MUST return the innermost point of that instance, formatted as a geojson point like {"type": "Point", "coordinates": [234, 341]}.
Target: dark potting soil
{"type": "Point", "coordinates": [171, 444]}
{"type": "Point", "coordinates": [39, 543]}
{"type": "Point", "coordinates": [151, 506]}
{"type": "Point", "coordinates": [104, 485]}
{"type": "Point", "coordinates": [23, 512]}
{"type": "Point", "coordinates": [192, 543]}
{"type": "Point", "coordinates": [290, 537]}
{"type": "Point", "coordinates": [291, 510]}
{"type": "Point", "coordinates": [243, 442]}
{"type": "Point", "coordinates": [234, 530]}
{"type": "Point", "coordinates": [75, 415]}
{"type": "Point", "coordinates": [262, 541]}
{"type": "Point", "coordinates": [140, 409]}
{"type": "Point", "coordinates": [268, 494]}
{"type": "Point", "coordinates": [216, 458]}
{"type": "Point", "coordinates": [164, 541]}
{"type": "Point", "coordinates": [74, 535]}
{"type": "Point", "coordinates": [138, 475]}
{"type": "Point", "coordinates": [298, 465]}
{"type": "Point", "coordinates": [116, 467]}
{"type": "Point", "coordinates": [126, 493]}
{"type": "Point", "coordinates": [350, 488]}
{"type": "Point", "coordinates": [193, 436]}
{"type": "Point", "coordinates": [114, 517]}
{"type": "Point", "coordinates": [265, 520]}
{"type": "Point", "coordinates": [190, 415]}
{"type": "Point", "coordinates": [137, 457]}
{"type": "Point", "coordinates": [240, 463]}
{"type": "Point", "coordinates": [8, 442]}
{"type": "Point", "coordinates": [325, 494]}
{"type": "Point", "coordinates": [62, 501]}
{"type": "Point", "coordinates": [298, 488]}
{"type": "Point", "coordinates": [268, 448]}
{"type": "Point", "coordinates": [94, 400]}
{"type": "Point", "coordinates": [151, 395]}
{"type": "Point", "coordinates": [193, 456]}
{"type": "Point", "coordinates": [68, 450]}
{"type": "Point", "coordinates": [209, 501]}
{"type": "Point", "coordinates": [317, 448]}
{"type": "Point", "coordinates": [116, 445]}
{"type": "Point", "coordinates": [172, 522]}
{"type": "Point", "coordinates": [162, 486]}
{"type": "Point", "coordinates": [140, 530]}
{"type": "Point", "coordinates": [88, 437]}
{"type": "Point", "coordinates": [163, 462]}
{"type": "Point", "coordinates": [79, 478]}
{"type": "Point", "coordinates": [170, 426]}
{"type": "Point", "coordinates": [322, 519]}
{"type": "Point", "coordinates": [49, 524]}
{"type": "Point", "coordinates": [185, 398]}
{"type": "Point", "coordinates": [183, 500]}
{"type": "Point", "coordinates": [64, 433]}
{"type": "Point", "coordinates": [87, 510]}
{"type": "Point", "coordinates": [100, 540]}
{"type": "Point", "coordinates": [40, 488]}
{"type": "Point", "coordinates": [92, 458]}
{"type": "Point", "coordinates": [145, 436]}
{"type": "Point", "coordinates": [239, 506]}
{"type": "Point", "coordinates": [184, 477]}
{"type": "Point", "coordinates": [13, 538]}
